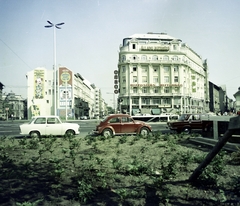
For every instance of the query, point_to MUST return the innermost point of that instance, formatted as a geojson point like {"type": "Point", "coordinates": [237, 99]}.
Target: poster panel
{"type": "Point", "coordinates": [65, 87]}
{"type": "Point", "coordinates": [39, 84]}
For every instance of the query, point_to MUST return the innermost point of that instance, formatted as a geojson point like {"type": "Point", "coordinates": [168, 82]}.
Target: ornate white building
{"type": "Point", "coordinates": [159, 73]}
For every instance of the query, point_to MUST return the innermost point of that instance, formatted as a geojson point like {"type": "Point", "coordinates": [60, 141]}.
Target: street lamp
{"type": "Point", "coordinates": [55, 60]}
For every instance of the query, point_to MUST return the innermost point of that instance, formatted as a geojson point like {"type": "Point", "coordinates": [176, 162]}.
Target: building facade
{"type": "Point", "coordinates": [1, 102]}
{"type": "Point", "coordinates": [158, 73]}
{"type": "Point", "coordinates": [75, 96]}
{"type": "Point", "coordinates": [14, 106]}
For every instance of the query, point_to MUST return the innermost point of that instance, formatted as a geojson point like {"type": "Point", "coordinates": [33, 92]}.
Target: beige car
{"type": "Point", "coordinates": [48, 125]}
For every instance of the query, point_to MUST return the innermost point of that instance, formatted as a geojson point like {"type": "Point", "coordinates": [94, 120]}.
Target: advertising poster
{"type": "Point", "coordinates": [65, 87]}
{"type": "Point", "coordinates": [35, 110]}
{"type": "Point", "coordinates": [38, 84]}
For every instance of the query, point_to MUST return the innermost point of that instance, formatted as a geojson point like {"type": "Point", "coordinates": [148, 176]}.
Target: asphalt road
{"type": "Point", "coordinates": [11, 128]}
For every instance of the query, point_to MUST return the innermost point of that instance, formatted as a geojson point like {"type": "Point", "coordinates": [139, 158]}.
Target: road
{"type": "Point", "coordinates": [11, 128]}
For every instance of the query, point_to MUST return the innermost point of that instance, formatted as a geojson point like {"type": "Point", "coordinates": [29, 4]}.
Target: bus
{"type": "Point", "coordinates": [164, 117]}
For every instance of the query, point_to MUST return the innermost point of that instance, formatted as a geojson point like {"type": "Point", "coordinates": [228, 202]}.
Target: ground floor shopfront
{"type": "Point", "coordinates": [157, 105]}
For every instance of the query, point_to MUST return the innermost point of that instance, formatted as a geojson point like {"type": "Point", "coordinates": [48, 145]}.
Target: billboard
{"type": "Point", "coordinates": [39, 84]}
{"type": "Point", "coordinates": [65, 87]}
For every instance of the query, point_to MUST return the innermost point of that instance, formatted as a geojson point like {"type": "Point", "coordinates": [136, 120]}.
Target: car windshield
{"type": "Point", "coordinates": [184, 117]}
{"type": "Point", "coordinates": [104, 119]}
{"type": "Point", "coordinates": [32, 120]}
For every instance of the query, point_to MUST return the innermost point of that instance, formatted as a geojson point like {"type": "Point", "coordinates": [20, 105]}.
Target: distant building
{"type": "Point", "coordinates": [75, 96]}
{"type": "Point", "coordinates": [14, 106]}
{"type": "Point", "coordinates": [158, 73]}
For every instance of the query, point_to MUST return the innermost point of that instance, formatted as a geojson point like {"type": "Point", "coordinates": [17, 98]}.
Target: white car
{"type": "Point", "coordinates": [48, 125]}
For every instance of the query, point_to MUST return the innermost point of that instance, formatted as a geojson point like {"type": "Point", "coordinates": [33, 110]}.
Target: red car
{"type": "Point", "coordinates": [118, 124]}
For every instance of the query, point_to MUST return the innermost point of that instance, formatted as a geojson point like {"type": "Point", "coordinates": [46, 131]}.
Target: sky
{"type": "Point", "coordinates": [89, 41]}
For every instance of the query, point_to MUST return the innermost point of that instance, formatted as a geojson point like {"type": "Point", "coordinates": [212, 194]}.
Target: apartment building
{"type": "Point", "coordinates": [75, 96]}
{"type": "Point", "coordinates": [158, 73]}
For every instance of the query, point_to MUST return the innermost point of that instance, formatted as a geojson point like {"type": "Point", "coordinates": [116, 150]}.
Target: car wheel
{"type": "Point", "coordinates": [144, 132]}
{"type": "Point", "coordinates": [70, 132]}
{"type": "Point", "coordinates": [107, 133]}
{"type": "Point", "coordinates": [186, 130]}
{"type": "Point", "coordinates": [34, 134]}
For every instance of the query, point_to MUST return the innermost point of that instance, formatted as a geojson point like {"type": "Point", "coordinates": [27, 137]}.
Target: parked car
{"type": "Point", "coordinates": [186, 123]}
{"type": "Point", "coordinates": [83, 117]}
{"type": "Point", "coordinates": [48, 125]}
{"type": "Point", "coordinates": [118, 124]}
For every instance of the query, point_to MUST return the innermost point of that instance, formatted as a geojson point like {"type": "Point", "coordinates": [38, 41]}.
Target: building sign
{"type": "Point", "coordinates": [155, 48]}
{"type": "Point", "coordinates": [154, 85]}
{"type": "Point", "coordinates": [65, 87]}
{"type": "Point", "coordinates": [39, 84]}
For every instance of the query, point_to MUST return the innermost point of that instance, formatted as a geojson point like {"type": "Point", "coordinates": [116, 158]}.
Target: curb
{"type": "Point", "coordinates": [233, 147]}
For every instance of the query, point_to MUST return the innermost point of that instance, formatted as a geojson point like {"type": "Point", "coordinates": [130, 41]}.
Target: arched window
{"type": "Point", "coordinates": [123, 58]}
{"type": "Point", "coordinates": [165, 58]}
{"type": "Point", "coordinates": [144, 58]}
{"type": "Point", "coordinates": [155, 58]}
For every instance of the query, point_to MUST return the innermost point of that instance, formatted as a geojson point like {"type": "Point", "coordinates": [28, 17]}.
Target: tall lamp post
{"type": "Point", "coordinates": [55, 60]}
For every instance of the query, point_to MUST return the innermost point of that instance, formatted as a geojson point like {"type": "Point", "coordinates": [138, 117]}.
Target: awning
{"type": "Point", "coordinates": [135, 111]}
{"type": "Point", "coordinates": [156, 111]}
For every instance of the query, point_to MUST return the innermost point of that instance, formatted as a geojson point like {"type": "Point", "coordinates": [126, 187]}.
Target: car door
{"type": "Point", "coordinates": [115, 124]}
{"type": "Point", "coordinates": [127, 125]}
{"type": "Point", "coordinates": [196, 122]}
{"type": "Point", "coordinates": [39, 125]}
{"type": "Point", "coordinates": [53, 126]}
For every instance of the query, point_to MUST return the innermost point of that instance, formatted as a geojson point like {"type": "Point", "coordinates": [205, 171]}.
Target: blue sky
{"type": "Point", "coordinates": [88, 42]}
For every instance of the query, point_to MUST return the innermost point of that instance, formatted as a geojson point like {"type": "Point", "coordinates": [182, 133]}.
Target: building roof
{"type": "Point", "coordinates": [150, 35]}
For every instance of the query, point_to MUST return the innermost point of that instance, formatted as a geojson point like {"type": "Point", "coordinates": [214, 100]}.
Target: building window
{"type": "Point", "coordinates": [135, 101]}
{"type": "Point", "coordinates": [144, 58]}
{"type": "Point", "coordinates": [123, 69]}
{"type": "Point", "coordinates": [166, 79]}
{"type": "Point", "coordinates": [124, 90]}
{"type": "Point", "coordinates": [166, 90]}
{"type": "Point", "coordinates": [166, 69]}
{"type": "Point", "coordinates": [144, 90]}
{"type": "Point", "coordinates": [175, 79]}
{"type": "Point", "coordinates": [134, 79]}
{"type": "Point", "coordinates": [155, 79]}
{"type": "Point", "coordinates": [49, 91]}
{"type": "Point", "coordinates": [144, 70]}
{"type": "Point", "coordinates": [175, 58]}
{"type": "Point", "coordinates": [134, 90]}
{"type": "Point", "coordinates": [134, 46]}
{"type": "Point", "coordinates": [175, 69]}
{"type": "Point", "coordinates": [124, 80]}
{"type": "Point", "coordinates": [155, 58]}
{"type": "Point", "coordinates": [134, 68]}
{"type": "Point", "coordinates": [123, 58]}
{"type": "Point", "coordinates": [176, 89]}
{"type": "Point", "coordinates": [165, 58]}
{"type": "Point", "coordinates": [166, 101]}
{"type": "Point", "coordinates": [144, 79]}
{"type": "Point", "coordinates": [156, 101]}
{"type": "Point", "coordinates": [47, 101]}
{"type": "Point", "coordinates": [155, 90]}
{"type": "Point", "coordinates": [145, 101]}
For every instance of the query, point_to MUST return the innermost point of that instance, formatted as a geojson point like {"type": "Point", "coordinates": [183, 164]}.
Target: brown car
{"type": "Point", "coordinates": [186, 123]}
{"type": "Point", "coordinates": [118, 124]}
